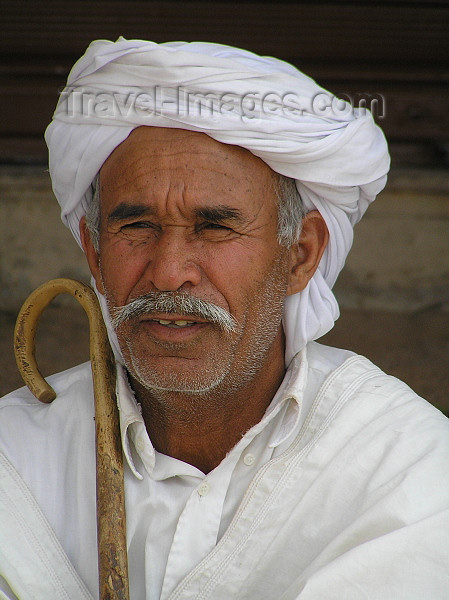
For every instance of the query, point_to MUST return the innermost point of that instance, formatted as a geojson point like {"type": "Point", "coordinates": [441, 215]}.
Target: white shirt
{"type": "Point", "coordinates": [180, 521]}
{"type": "Point", "coordinates": [196, 509]}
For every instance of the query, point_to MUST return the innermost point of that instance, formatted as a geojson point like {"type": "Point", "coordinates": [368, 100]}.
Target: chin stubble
{"type": "Point", "coordinates": [181, 304]}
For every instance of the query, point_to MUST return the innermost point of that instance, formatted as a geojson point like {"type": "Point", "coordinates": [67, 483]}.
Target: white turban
{"type": "Point", "coordinates": [336, 153]}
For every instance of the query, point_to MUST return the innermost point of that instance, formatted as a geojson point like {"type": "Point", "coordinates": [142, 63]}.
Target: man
{"type": "Point", "coordinates": [214, 193]}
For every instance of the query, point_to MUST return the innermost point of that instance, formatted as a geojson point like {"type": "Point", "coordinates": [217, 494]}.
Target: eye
{"type": "Point", "coordinates": [212, 226]}
{"type": "Point", "coordinates": [215, 232]}
{"type": "Point", "coordinates": [137, 225]}
{"type": "Point", "coordinates": [216, 226]}
{"type": "Point", "coordinates": [139, 230]}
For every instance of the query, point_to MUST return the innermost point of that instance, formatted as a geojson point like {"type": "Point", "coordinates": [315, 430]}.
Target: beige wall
{"type": "Point", "coordinates": [34, 245]}
{"type": "Point", "coordinates": [400, 257]}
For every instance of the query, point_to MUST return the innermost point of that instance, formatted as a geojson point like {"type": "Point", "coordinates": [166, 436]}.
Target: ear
{"type": "Point", "coordinates": [93, 258]}
{"type": "Point", "coordinates": [306, 253]}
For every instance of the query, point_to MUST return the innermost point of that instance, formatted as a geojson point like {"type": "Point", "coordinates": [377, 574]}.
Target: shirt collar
{"type": "Point", "coordinates": [290, 391]}
{"type": "Point", "coordinates": [133, 428]}
{"type": "Point", "coordinates": [130, 413]}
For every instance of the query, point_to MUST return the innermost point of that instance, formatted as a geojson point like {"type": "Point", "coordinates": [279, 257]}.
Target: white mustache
{"type": "Point", "coordinates": [179, 303]}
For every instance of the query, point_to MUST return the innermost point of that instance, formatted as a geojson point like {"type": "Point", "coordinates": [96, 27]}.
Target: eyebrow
{"type": "Point", "coordinates": [129, 211]}
{"type": "Point", "coordinates": [218, 214]}
{"type": "Point", "coordinates": [215, 214]}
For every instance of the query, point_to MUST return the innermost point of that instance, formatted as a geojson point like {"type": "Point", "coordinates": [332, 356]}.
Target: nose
{"type": "Point", "coordinates": [173, 264]}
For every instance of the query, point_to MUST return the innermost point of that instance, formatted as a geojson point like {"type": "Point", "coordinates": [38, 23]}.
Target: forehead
{"type": "Point", "coordinates": [158, 161]}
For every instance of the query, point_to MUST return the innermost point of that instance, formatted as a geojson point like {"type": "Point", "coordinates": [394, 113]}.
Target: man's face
{"type": "Point", "coordinates": [181, 212]}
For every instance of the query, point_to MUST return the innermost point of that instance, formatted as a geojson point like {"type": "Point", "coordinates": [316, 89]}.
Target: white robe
{"type": "Point", "coordinates": [354, 505]}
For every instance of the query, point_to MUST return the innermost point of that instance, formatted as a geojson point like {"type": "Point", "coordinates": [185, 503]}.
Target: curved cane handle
{"type": "Point", "coordinates": [113, 568]}
{"type": "Point", "coordinates": [26, 325]}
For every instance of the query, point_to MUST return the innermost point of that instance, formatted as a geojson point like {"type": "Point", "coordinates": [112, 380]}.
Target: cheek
{"type": "Point", "coordinates": [239, 274]}
{"type": "Point", "coordinates": [121, 268]}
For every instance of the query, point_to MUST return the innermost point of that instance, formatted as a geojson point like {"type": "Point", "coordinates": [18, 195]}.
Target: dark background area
{"type": "Point", "coordinates": [396, 49]}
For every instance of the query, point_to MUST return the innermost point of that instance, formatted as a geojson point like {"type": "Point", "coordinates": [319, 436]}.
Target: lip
{"type": "Point", "coordinates": [173, 334]}
{"type": "Point", "coordinates": [172, 317]}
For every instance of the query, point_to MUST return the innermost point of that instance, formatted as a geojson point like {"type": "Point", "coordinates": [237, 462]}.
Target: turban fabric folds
{"type": "Point", "coordinates": [336, 153]}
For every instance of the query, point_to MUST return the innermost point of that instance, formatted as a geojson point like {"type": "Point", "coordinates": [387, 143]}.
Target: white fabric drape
{"type": "Point", "coordinates": [336, 153]}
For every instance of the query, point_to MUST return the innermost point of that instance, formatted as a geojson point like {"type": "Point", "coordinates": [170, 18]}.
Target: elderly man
{"type": "Point", "coordinates": [214, 193]}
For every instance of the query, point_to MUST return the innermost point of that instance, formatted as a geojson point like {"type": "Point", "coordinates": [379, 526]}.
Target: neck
{"type": "Point", "coordinates": [201, 429]}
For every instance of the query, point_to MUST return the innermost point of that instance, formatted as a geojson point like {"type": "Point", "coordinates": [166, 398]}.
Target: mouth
{"type": "Point", "coordinates": [178, 324]}
{"type": "Point", "coordinates": [162, 329]}
{"type": "Point", "coordinates": [163, 322]}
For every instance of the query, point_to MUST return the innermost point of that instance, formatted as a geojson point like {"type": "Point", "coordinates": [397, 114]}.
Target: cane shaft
{"type": "Point", "coordinates": [111, 524]}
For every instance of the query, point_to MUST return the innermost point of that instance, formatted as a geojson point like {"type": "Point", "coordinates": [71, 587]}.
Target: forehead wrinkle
{"type": "Point", "coordinates": [166, 183]}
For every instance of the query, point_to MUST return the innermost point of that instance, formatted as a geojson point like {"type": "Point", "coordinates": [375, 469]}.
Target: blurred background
{"type": "Point", "coordinates": [394, 290]}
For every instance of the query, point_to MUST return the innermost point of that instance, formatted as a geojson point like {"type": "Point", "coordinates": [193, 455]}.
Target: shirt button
{"type": "Point", "coordinates": [248, 459]}
{"type": "Point", "coordinates": [203, 490]}
{"type": "Point", "coordinates": [140, 444]}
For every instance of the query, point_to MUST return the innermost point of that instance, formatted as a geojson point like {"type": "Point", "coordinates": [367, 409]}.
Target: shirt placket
{"type": "Point", "coordinates": [198, 526]}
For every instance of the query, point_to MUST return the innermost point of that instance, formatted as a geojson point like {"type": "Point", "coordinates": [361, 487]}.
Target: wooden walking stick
{"type": "Point", "coordinates": [111, 524]}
